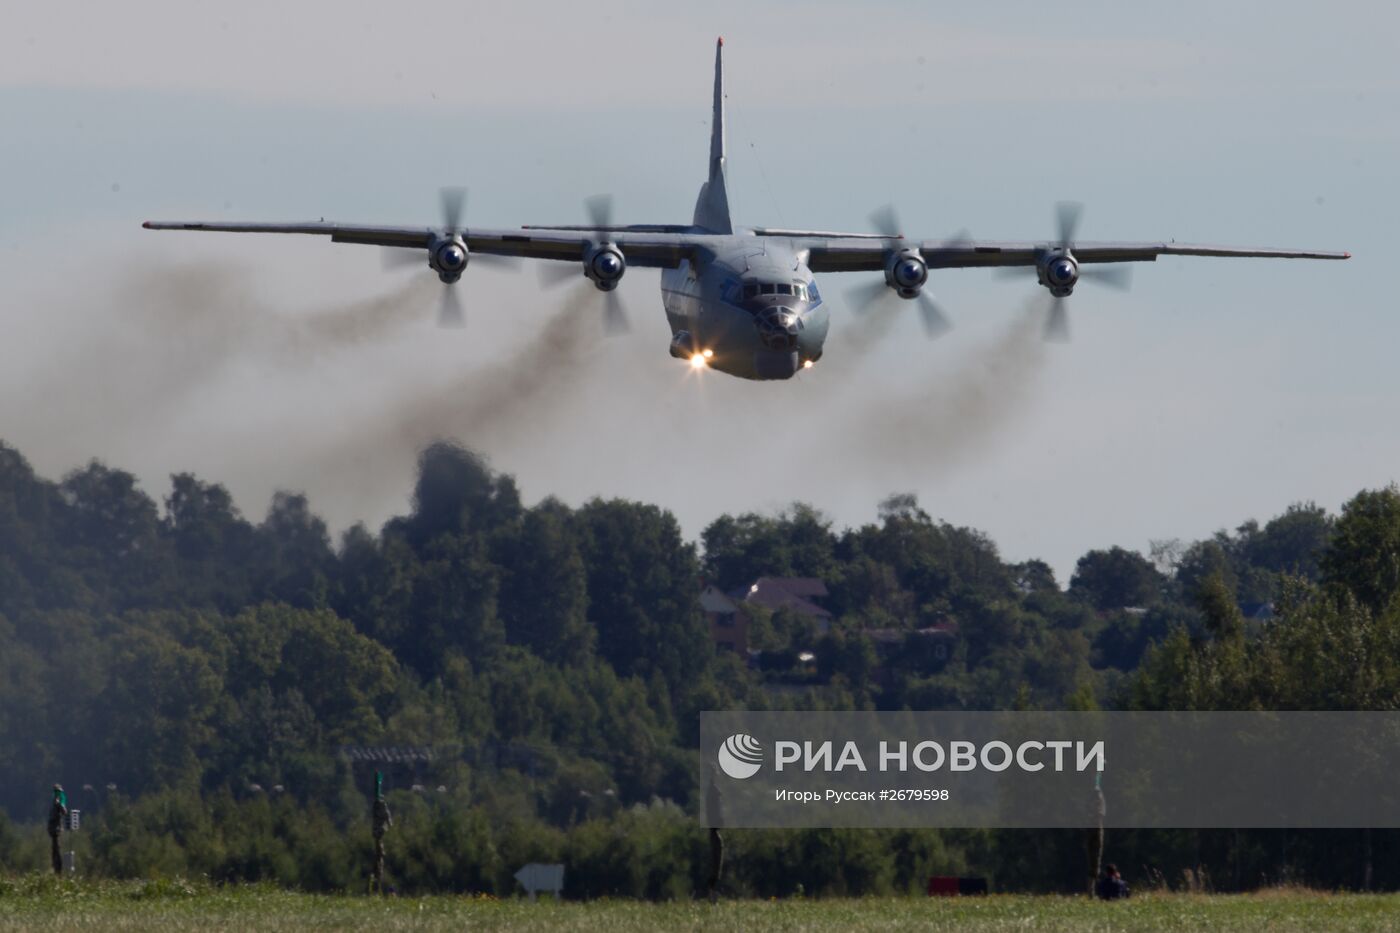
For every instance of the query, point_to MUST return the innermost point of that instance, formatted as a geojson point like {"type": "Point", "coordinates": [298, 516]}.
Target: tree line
{"type": "Point", "coordinates": [215, 691]}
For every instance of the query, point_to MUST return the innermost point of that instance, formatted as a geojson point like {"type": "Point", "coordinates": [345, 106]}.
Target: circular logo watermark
{"type": "Point", "coordinates": [740, 756]}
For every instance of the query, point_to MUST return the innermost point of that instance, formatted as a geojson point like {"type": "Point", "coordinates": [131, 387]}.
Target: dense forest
{"type": "Point", "coordinates": [215, 692]}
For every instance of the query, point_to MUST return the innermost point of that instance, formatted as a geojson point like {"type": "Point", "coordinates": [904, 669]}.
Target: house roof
{"type": "Point", "coordinates": [713, 600]}
{"type": "Point", "coordinates": [791, 593]}
{"type": "Point", "coordinates": [795, 586]}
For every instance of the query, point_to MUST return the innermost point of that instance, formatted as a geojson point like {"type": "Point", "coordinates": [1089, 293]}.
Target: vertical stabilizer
{"type": "Point", "coordinates": [712, 208]}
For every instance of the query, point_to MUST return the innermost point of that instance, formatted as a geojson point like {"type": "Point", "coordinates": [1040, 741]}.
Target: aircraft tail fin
{"type": "Point", "coordinates": [712, 207]}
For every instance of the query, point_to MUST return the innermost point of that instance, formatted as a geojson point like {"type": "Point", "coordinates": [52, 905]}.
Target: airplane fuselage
{"type": "Point", "coordinates": [748, 307]}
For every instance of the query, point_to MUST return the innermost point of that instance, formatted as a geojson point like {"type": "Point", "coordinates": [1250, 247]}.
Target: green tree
{"type": "Point", "coordinates": [1364, 555]}
{"type": "Point", "coordinates": [294, 553]}
{"type": "Point", "coordinates": [158, 714]}
{"type": "Point", "coordinates": [642, 584]}
{"type": "Point", "coordinates": [543, 601]}
{"type": "Point", "coordinates": [1116, 578]}
{"type": "Point", "coordinates": [1294, 542]}
{"type": "Point", "coordinates": [214, 546]}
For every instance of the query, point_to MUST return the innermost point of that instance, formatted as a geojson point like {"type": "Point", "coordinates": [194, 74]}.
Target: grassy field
{"type": "Point", "coordinates": [41, 903]}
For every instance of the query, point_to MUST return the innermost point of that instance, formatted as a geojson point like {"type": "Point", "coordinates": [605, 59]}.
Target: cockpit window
{"type": "Point", "coordinates": [800, 290]}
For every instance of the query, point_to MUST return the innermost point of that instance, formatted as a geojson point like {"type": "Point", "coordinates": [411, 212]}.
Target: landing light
{"type": "Point", "coordinates": [697, 361]}
{"type": "Point", "coordinates": [707, 353]}
{"type": "Point", "coordinates": [806, 364]}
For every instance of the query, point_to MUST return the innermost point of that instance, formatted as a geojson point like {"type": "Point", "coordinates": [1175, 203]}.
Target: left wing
{"type": "Point", "coordinates": [642, 247]}
{"type": "Point", "coordinates": [864, 254]}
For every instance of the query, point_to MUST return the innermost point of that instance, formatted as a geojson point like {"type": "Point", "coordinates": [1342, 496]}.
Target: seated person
{"type": "Point", "coordinates": [1110, 886]}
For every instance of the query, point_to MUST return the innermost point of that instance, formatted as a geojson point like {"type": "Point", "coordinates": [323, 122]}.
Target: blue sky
{"type": "Point", "coordinates": [1214, 392]}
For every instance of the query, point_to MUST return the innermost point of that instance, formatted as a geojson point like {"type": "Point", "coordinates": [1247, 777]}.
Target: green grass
{"type": "Point", "coordinates": [43, 903]}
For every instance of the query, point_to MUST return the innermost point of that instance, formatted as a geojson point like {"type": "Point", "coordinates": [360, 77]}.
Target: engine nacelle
{"type": "Point", "coordinates": [448, 257]}
{"type": "Point", "coordinates": [604, 265]}
{"type": "Point", "coordinates": [906, 272]}
{"type": "Point", "coordinates": [1059, 272]}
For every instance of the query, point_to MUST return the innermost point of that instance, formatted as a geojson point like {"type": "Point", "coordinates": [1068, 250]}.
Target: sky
{"type": "Point", "coordinates": [1214, 392]}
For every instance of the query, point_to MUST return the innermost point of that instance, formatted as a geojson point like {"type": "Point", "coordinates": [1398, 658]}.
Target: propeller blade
{"type": "Point", "coordinates": [614, 315]}
{"type": "Point", "coordinates": [599, 209]}
{"type": "Point", "coordinates": [1057, 323]}
{"type": "Point", "coordinates": [394, 257]}
{"type": "Point", "coordinates": [877, 303]}
{"type": "Point", "coordinates": [936, 321]}
{"type": "Point", "coordinates": [454, 202]}
{"type": "Point", "coordinates": [1067, 218]}
{"type": "Point", "coordinates": [863, 298]}
{"type": "Point", "coordinates": [886, 221]}
{"type": "Point", "coordinates": [1114, 276]}
{"type": "Point", "coordinates": [450, 311]}
{"type": "Point", "coordinates": [554, 274]}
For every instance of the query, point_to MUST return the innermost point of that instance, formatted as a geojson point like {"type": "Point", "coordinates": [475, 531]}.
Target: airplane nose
{"type": "Point", "coordinates": [778, 327]}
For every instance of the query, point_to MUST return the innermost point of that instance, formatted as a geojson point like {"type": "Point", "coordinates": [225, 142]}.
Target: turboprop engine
{"type": "Point", "coordinates": [906, 272]}
{"type": "Point", "coordinates": [1059, 272]}
{"type": "Point", "coordinates": [448, 257]}
{"type": "Point", "coordinates": [604, 265]}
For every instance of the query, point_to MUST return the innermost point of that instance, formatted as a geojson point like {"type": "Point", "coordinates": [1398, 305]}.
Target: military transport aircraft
{"type": "Point", "coordinates": [743, 300]}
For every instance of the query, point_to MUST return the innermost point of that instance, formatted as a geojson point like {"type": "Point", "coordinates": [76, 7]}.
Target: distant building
{"type": "Point", "coordinates": [938, 641]}
{"type": "Point", "coordinates": [729, 623]}
{"type": "Point", "coordinates": [922, 651]}
{"type": "Point", "coordinates": [729, 629]}
{"type": "Point", "coordinates": [795, 594]}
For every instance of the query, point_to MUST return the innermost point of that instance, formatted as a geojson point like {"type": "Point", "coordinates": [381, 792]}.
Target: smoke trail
{"type": "Point", "coordinates": [509, 405]}
{"type": "Point", "coordinates": [516, 393]}
{"type": "Point", "coordinates": [209, 310]}
{"type": "Point", "coordinates": [867, 329]}
{"type": "Point", "coordinates": [957, 411]}
{"type": "Point", "coordinates": [185, 366]}
{"type": "Point", "coordinates": [109, 375]}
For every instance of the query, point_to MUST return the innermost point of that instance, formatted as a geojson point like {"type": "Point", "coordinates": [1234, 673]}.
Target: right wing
{"type": "Point", "coordinates": [641, 247]}
{"type": "Point", "coordinates": [866, 254]}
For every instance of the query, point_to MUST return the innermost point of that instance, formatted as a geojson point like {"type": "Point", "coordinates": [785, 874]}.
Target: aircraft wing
{"type": "Point", "coordinates": [850, 254]}
{"type": "Point", "coordinates": [642, 248]}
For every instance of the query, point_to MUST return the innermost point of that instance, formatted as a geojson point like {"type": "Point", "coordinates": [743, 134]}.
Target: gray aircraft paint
{"type": "Point", "coordinates": [709, 266]}
{"type": "Point", "coordinates": [704, 299]}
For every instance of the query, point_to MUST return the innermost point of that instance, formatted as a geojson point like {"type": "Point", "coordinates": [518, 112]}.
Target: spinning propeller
{"type": "Point", "coordinates": [905, 278]}
{"type": "Point", "coordinates": [447, 256]}
{"type": "Point", "coordinates": [603, 266]}
{"type": "Point", "coordinates": [1060, 271]}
